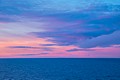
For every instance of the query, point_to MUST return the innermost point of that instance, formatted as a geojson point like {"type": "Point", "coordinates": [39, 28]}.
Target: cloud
{"type": "Point", "coordinates": [32, 54]}
{"type": "Point", "coordinates": [102, 41]}
{"type": "Point", "coordinates": [81, 26]}
{"type": "Point", "coordinates": [80, 49]}
{"type": "Point", "coordinates": [42, 6]}
{"type": "Point", "coordinates": [47, 48]}
{"type": "Point", "coordinates": [29, 47]}
{"type": "Point", "coordinates": [76, 34]}
{"type": "Point", "coordinates": [48, 44]}
{"type": "Point", "coordinates": [3, 19]}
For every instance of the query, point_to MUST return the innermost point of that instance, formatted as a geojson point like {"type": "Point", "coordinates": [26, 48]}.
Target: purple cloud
{"type": "Point", "coordinates": [23, 47]}
{"type": "Point", "coordinates": [102, 41]}
{"type": "Point", "coordinates": [31, 47]}
{"type": "Point", "coordinates": [80, 49]}
{"type": "Point", "coordinates": [48, 44]}
{"type": "Point", "coordinates": [77, 34]}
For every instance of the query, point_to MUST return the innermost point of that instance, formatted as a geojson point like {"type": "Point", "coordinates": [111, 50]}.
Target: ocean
{"type": "Point", "coordinates": [60, 69]}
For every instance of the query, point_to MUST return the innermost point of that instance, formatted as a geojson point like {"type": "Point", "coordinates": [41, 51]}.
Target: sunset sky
{"type": "Point", "coordinates": [59, 28]}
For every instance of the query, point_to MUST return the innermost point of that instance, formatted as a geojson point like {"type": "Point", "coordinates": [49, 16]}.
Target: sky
{"type": "Point", "coordinates": [59, 29]}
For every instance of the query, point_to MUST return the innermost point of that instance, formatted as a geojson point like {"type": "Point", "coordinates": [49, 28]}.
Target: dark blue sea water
{"type": "Point", "coordinates": [59, 69]}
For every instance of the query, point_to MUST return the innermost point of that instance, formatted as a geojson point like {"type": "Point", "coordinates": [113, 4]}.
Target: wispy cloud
{"type": "Point", "coordinates": [23, 47]}
{"type": "Point", "coordinates": [48, 44]}
{"type": "Point", "coordinates": [34, 54]}
{"type": "Point", "coordinates": [80, 49]}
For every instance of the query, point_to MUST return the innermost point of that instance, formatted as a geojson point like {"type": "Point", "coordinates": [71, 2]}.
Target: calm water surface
{"type": "Point", "coordinates": [59, 69]}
